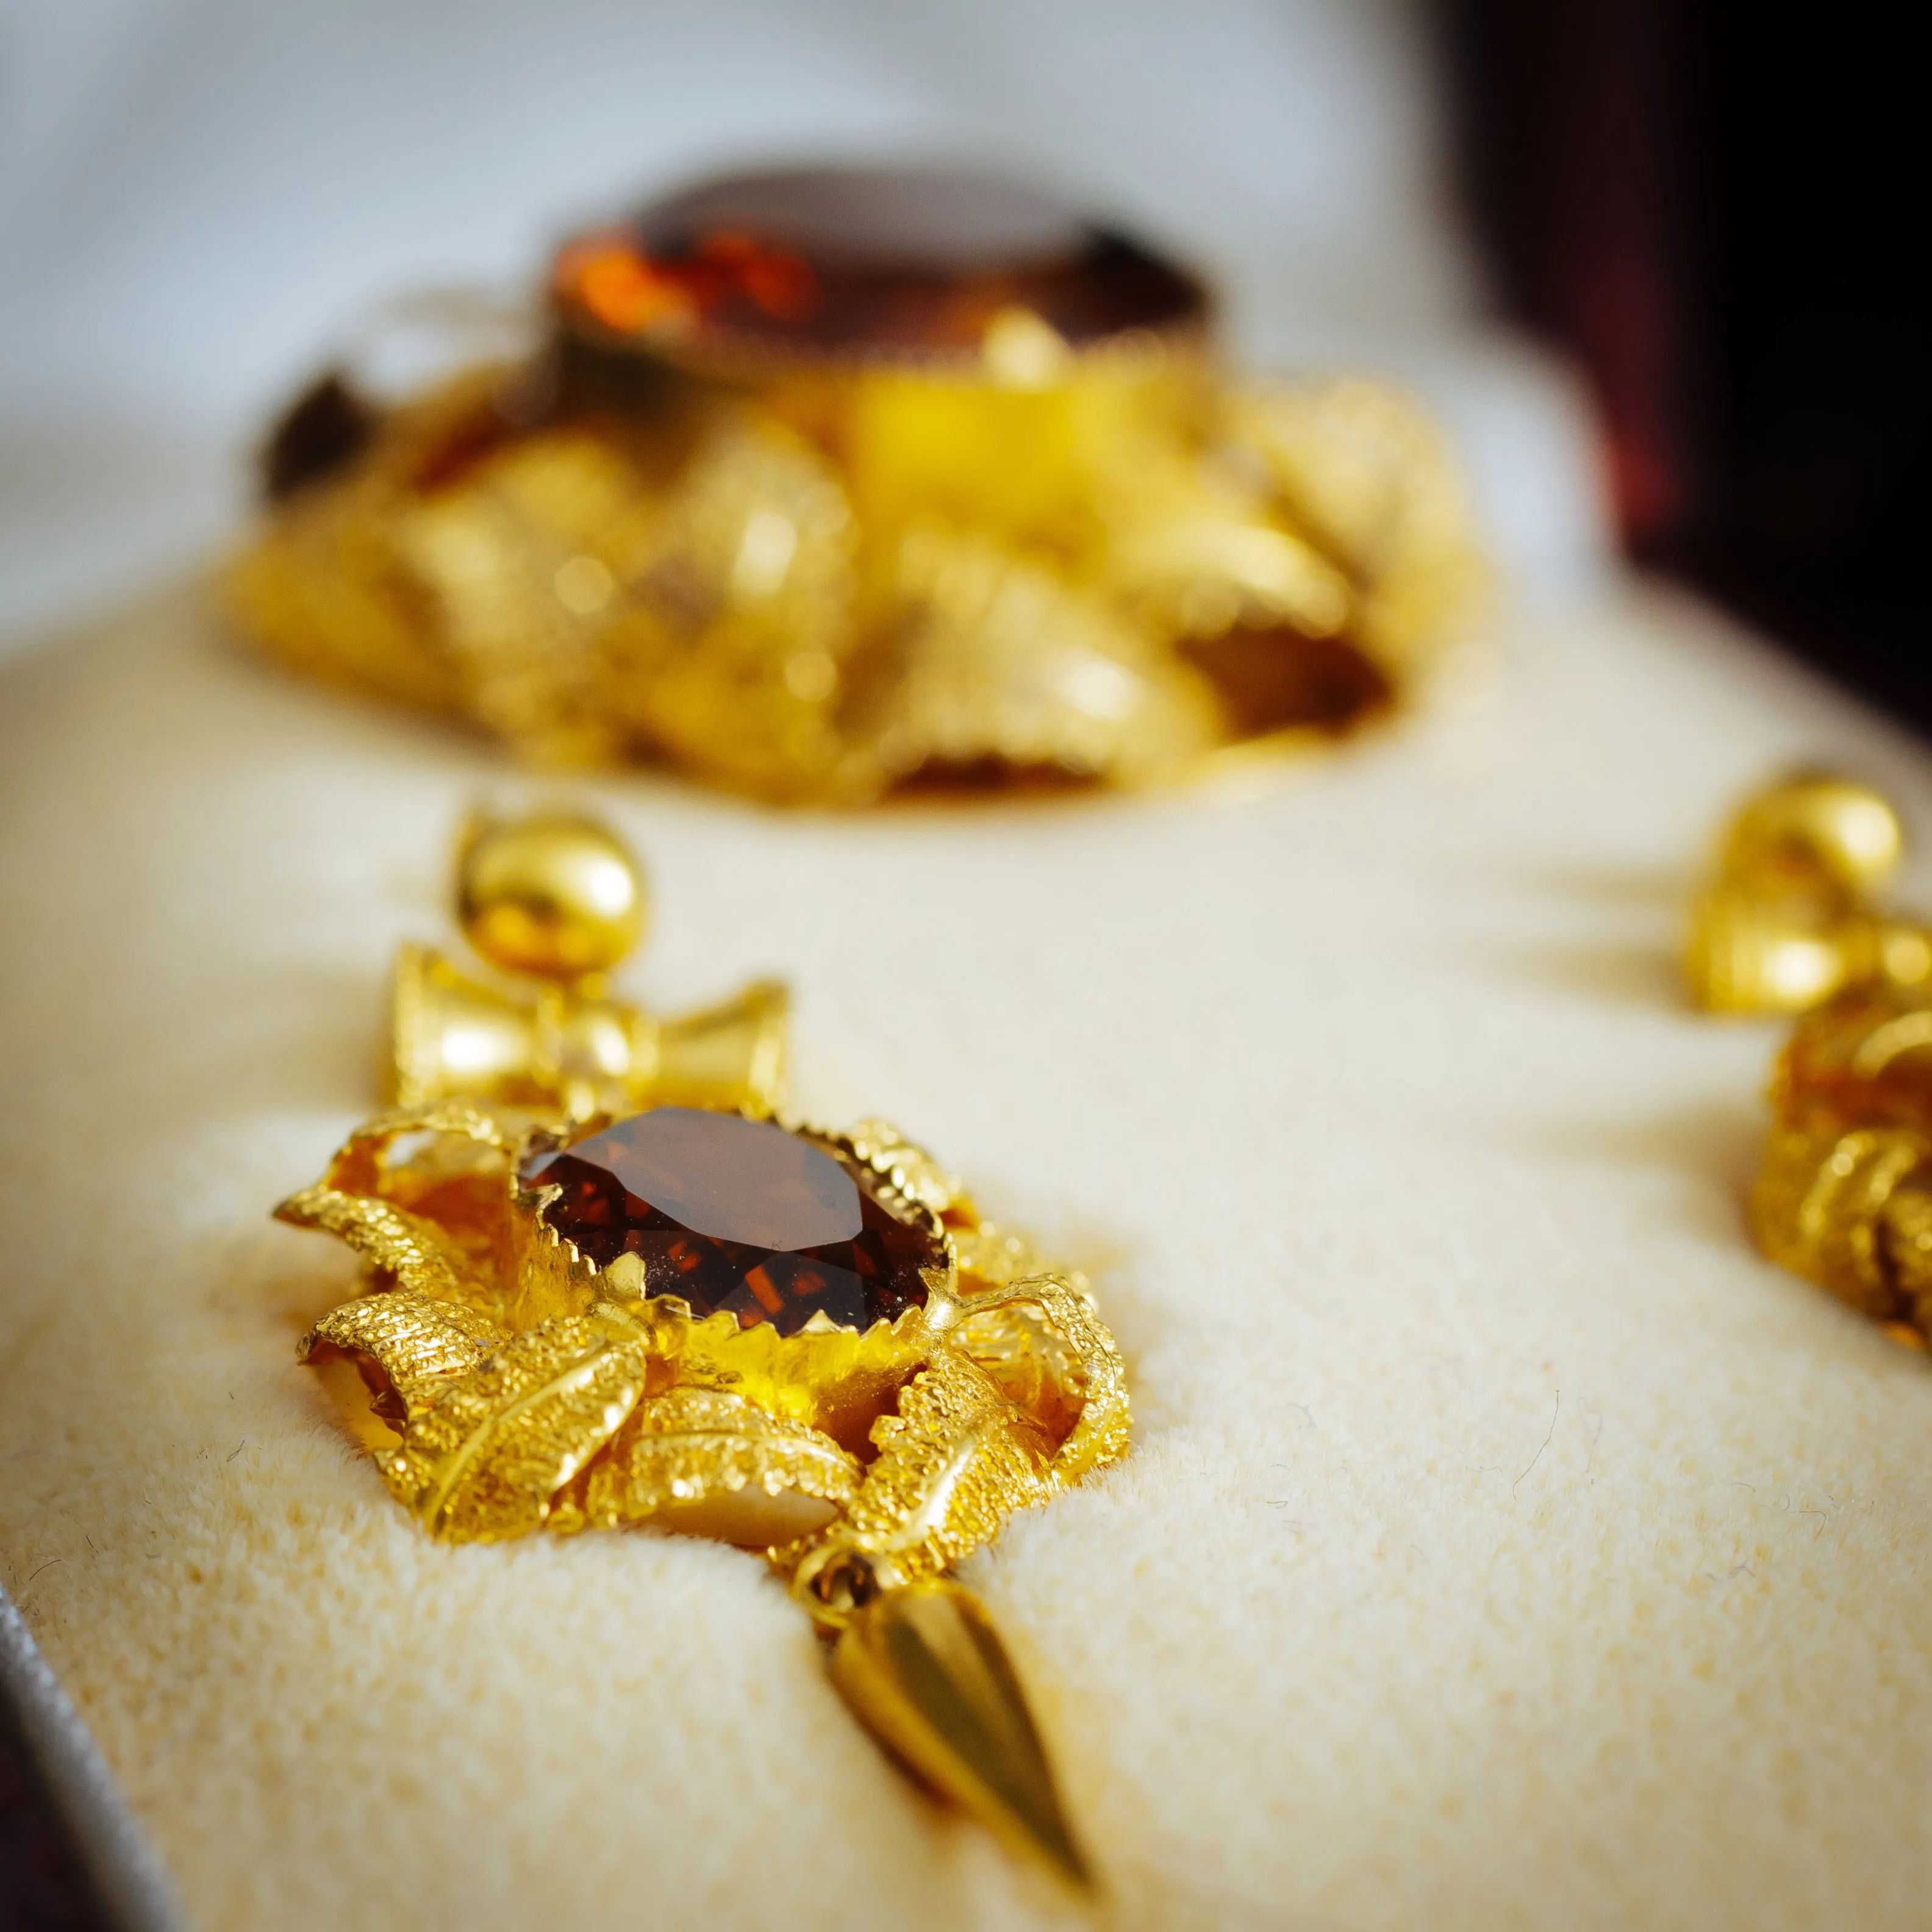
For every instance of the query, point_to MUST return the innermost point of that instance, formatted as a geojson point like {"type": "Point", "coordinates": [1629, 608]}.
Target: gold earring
{"type": "Point", "coordinates": [597, 1298]}
{"type": "Point", "coordinates": [1844, 1197]}
{"type": "Point", "coordinates": [1791, 920]}
{"type": "Point", "coordinates": [1792, 909]}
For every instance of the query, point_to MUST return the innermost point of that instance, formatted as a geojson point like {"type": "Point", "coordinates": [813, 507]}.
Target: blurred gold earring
{"type": "Point", "coordinates": [1791, 920]}
{"type": "Point", "coordinates": [1791, 911]}
{"type": "Point", "coordinates": [1844, 1197]}
{"type": "Point", "coordinates": [556, 901]}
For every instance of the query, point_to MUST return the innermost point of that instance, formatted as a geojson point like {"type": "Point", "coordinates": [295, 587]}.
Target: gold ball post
{"type": "Point", "coordinates": [550, 895]}
{"type": "Point", "coordinates": [1814, 831]}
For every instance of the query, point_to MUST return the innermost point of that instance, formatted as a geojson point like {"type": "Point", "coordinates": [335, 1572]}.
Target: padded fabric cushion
{"type": "Point", "coordinates": [1505, 1543]}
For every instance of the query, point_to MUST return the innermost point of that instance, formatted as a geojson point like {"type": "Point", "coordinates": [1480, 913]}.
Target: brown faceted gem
{"type": "Point", "coordinates": [832, 261]}
{"type": "Point", "coordinates": [738, 1215]}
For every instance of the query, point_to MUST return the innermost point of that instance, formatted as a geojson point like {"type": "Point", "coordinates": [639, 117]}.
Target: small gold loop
{"type": "Point", "coordinates": [1100, 1435]}
{"type": "Point", "coordinates": [355, 1167]}
{"type": "Point", "coordinates": [836, 1579]}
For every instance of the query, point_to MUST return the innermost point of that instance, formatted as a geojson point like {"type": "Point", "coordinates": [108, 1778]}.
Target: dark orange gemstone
{"type": "Point", "coordinates": [852, 260]}
{"type": "Point", "coordinates": [740, 1215]}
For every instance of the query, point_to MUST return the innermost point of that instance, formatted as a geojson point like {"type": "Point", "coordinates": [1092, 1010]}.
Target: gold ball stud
{"type": "Point", "coordinates": [553, 895]}
{"type": "Point", "coordinates": [1815, 832]}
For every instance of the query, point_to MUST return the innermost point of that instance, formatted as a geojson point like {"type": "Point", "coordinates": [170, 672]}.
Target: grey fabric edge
{"type": "Point", "coordinates": [127, 1875]}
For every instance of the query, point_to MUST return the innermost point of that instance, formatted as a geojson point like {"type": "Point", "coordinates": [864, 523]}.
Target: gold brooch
{"type": "Point", "coordinates": [825, 484]}
{"type": "Point", "coordinates": [716, 1321]}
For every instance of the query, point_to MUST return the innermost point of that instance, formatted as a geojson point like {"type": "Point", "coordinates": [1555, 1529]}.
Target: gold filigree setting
{"type": "Point", "coordinates": [529, 1389]}
{"type": "Point", "coordinates": [499, 1347]}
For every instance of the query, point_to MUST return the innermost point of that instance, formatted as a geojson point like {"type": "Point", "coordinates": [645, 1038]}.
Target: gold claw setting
{"type": "Point", "coordinates": [529, 1389]}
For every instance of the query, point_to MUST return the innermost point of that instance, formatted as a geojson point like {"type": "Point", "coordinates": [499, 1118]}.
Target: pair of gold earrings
{"type": "Point", "coordinates": [610, 1282]}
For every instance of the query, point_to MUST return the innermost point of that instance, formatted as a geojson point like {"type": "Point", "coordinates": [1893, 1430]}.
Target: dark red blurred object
{"type": "Point", "coordinates": [1718, 209]}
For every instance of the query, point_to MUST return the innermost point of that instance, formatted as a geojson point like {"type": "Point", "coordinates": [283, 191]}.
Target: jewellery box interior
{"type": "Point", "coordinates": [1502, 1540]}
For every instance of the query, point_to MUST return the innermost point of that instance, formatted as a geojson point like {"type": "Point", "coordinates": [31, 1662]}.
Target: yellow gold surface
{"type": "Point", "coordinates": [1815, 829]}
{"type": "Point", "coordinates": [819, 584]}
{"type": "Point", "coordinates": [1791, 911]}
{"type": "Point", "coordinates": [557, 899]}
{"type": "Point", "coordinates": [710, 1463]}
{"type": "Point", "coordinates": [533, 1388]}
{"type": "Point", "coordinates": [526, 1387]}
{"type": "Point", "coordinates": [484, 1461]}
{"type": "Point", "coordinates": [1844, 1197]}
{"type": "Point", "coordinates": [552, 894]}
{"type": "Point", "coordinates": [408, 1347]}
{"type": "Point", "coordinates": [926, 1671]}
{"type": "Point", "coordinates": [585, 1404]}
{"type": "Point", "coordinates": [956, 1459]}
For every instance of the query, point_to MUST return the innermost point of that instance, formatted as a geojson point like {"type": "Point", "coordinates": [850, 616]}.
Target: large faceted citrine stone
{"type": "Point", "coordinates": [740, 1215]}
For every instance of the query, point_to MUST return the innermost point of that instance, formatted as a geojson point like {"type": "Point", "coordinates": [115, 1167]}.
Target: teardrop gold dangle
{"type": "Point", "coordinates": [923, 1668]}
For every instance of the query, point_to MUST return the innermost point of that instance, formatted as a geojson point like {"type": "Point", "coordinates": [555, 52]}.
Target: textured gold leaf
{"type": "Point", "coordinates": [484, 1462]}
{"type": "Point", "coordinates": [357, 1166]}
{"type": "Point", "coordinates": [416, 1252]}
{"type": "Point", "coordinates": [1100, 1435]}
{"type": "Point", "coordinates": [430, 1240]}
{"type": "Point", "coordinates": [953, 1464]}
{"type": "Point", "coordinates": [419, 1344]}
{"type": "Point", "coordinates": [908, 1169]}
{"type": "Point", "coordinates": [1033, 1364]}
{"type": "Point", "coordinates": [693, 1444]}
{"type": "Point", "coordinates": [992, 1256]}
{"type": "Point", "coordinates": [1039, 1336]}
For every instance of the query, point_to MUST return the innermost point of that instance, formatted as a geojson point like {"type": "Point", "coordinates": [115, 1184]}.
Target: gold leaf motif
{"type": "Point", "coordinates": [484, 1462]}
{"type": "Point", "coordinates": [1031, 1362]}
{"type": "Point", "coordinates": [420, 1257]}
{"type": "Point", "coordinates": [954, 1463]}
{"type": "Point", "coordinates": [1100, 1434]}
{"type": "Point", "coordinates": [434, 1223]}
{"type": "Point", "coordinates": [694, 1446]}
{"type": "Point", "coordinates": [417, 1344]}
{"type": "Point", "coordinates": [993, 1257]}
{"type": "Point", "coordinates": [357, 1167]}
{"type": "Point", "coordinates": [910, 1170]}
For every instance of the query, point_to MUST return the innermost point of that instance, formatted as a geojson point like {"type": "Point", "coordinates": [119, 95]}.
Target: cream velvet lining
{"type": "Point", "coordinates": [1504, 1544]}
